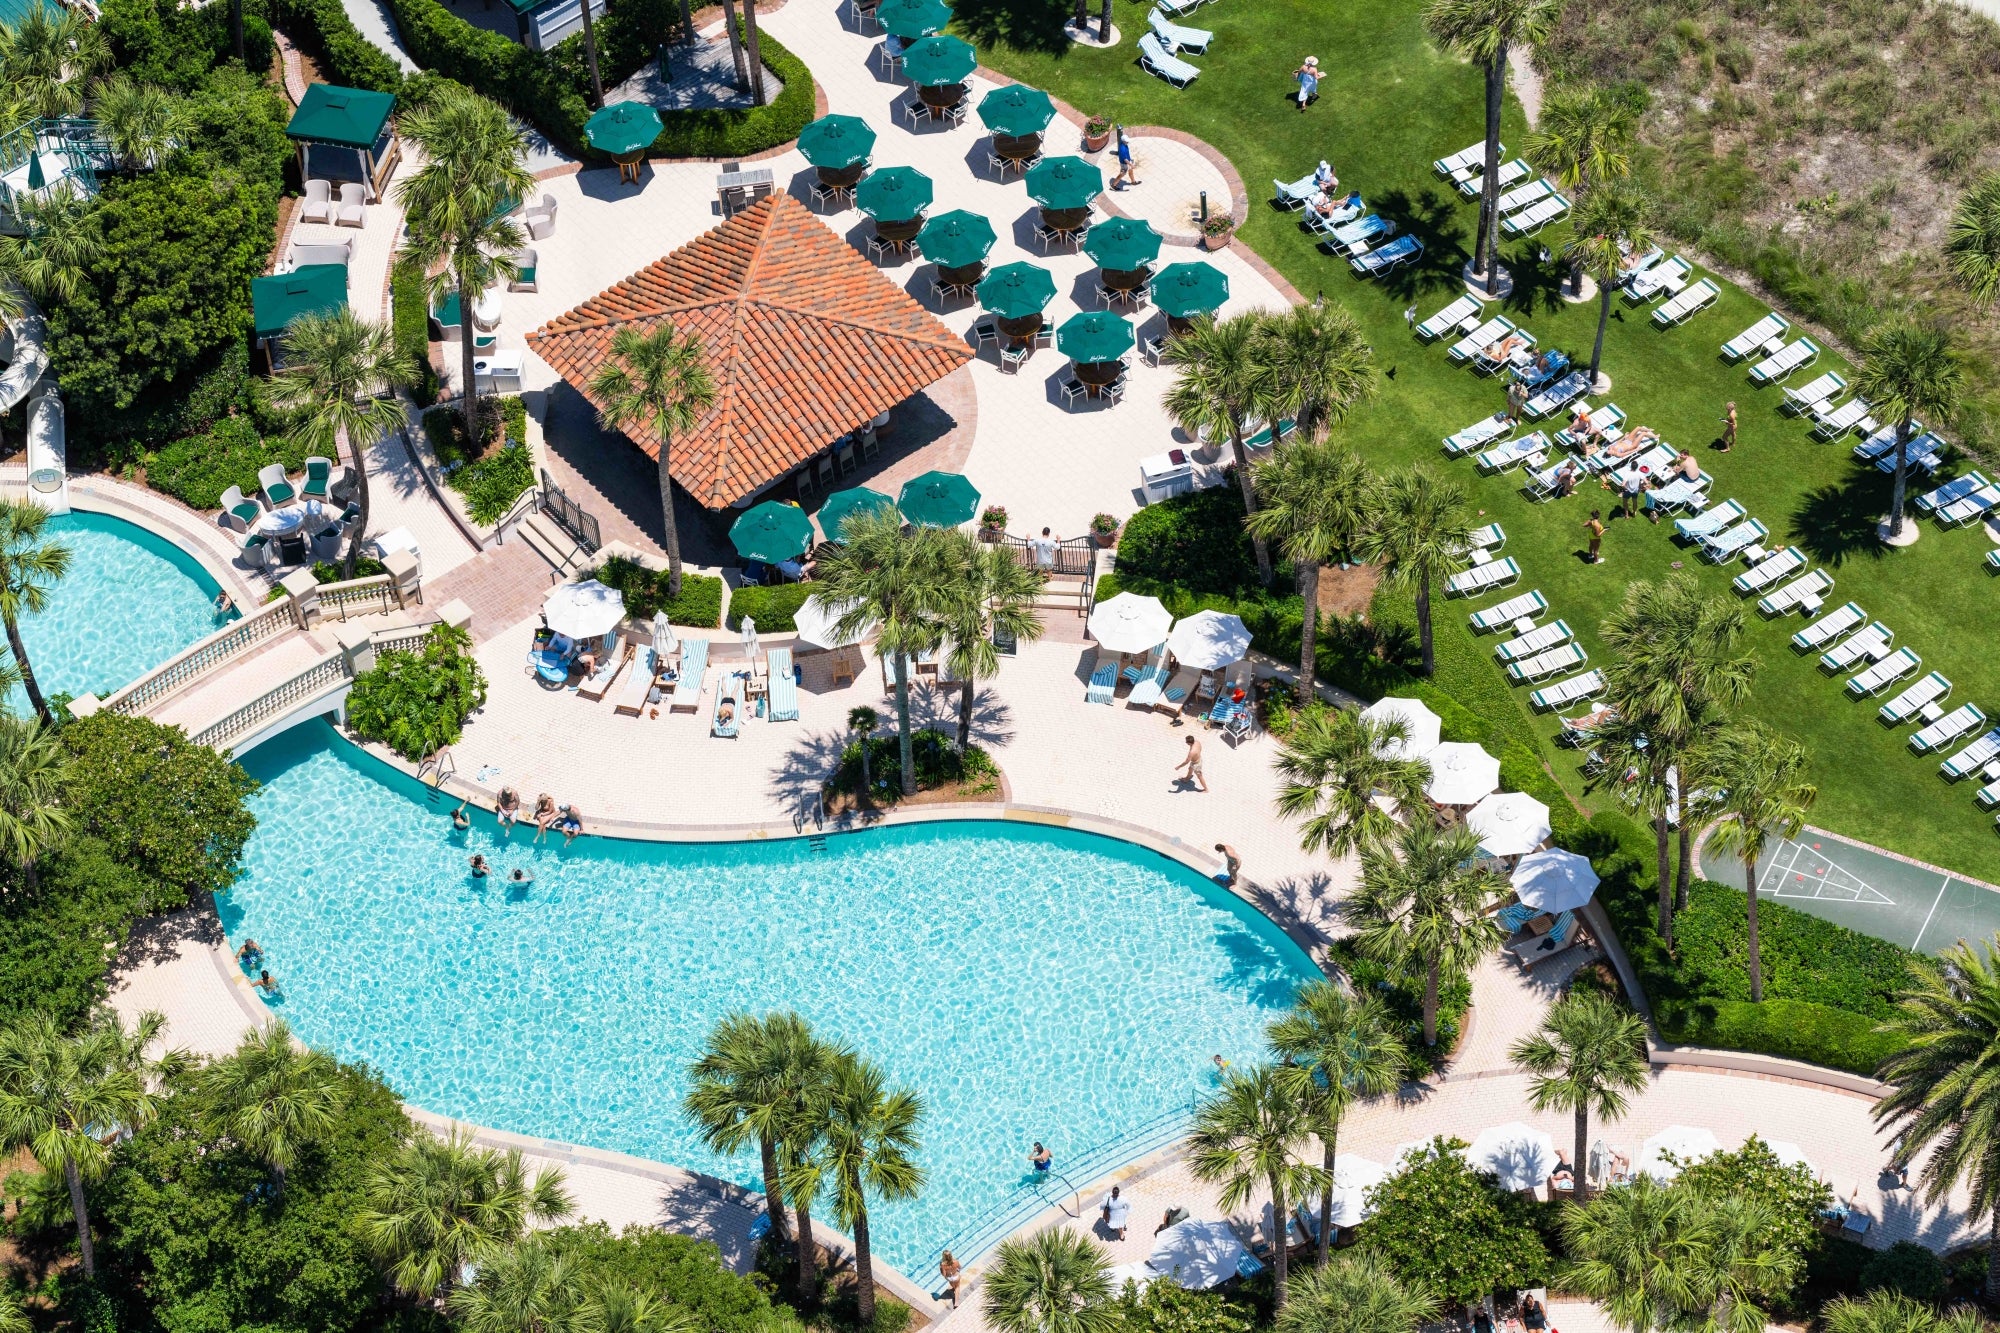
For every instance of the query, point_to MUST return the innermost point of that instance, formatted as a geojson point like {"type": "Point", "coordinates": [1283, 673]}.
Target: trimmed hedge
{"type": "Point", "coordinates": [337, 46]}
{"type": "Point", "coordinates": [645, 593]}
{"type": "Point", "coordinates": [198, 469]}
{"type": "Point", "coordinates": [772, 608]}
{"type": "Point", "coordinates": [409, 316]}
{"type": "Point", "coordinates": [738, 133]}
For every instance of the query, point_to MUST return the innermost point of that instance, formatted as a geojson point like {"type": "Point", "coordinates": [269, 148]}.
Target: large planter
{"type": "Point", "coordinates": [1095, 143]}
{"type": "Point", "coordinates": [1217, 240]}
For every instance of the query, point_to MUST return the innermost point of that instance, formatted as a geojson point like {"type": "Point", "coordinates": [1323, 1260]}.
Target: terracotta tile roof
{"type": "Point", "coordinates": [805, 338]}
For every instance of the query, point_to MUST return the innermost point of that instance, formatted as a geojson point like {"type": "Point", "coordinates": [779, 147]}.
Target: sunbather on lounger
{"type": "Point", "coordinates": [1500, 351]}
{"type": "Point", "coordinates": [1581, 432]}
{"type": "Point", "coordinates": [1325, 205]}
{"type": "Point", "coordinates": [1642, 438]}
{"type": "Point", "coordinates": [1324, 178]}
{"type": "Point", "coordinates": [1685, 467]}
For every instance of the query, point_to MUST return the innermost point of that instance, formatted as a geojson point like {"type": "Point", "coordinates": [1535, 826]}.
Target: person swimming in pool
{"type": "Point", "coordinates": [521, 876]}
{"type": "Point", "coordinates": [479, 866]}
{"type": "Point", "coordinates": [1041, 1159]}
{"type": "Point", "coordinates": [459, 819]}
{"type": "Point", "coordinates": [249, 952]}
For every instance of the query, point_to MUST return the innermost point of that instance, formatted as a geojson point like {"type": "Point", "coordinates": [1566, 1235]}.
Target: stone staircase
{"type": "Point", "coordinates": [548, 540]}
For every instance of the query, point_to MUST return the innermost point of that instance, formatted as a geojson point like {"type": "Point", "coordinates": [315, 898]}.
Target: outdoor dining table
{"type": "Point", "coordinates": [1098, 375]}
{"type": "Point", "coordinates": [1015, 149]}
{"type": "Point", "coordinates": [284, 522]}
{"type": "Point", "coordinates": [486, 310]}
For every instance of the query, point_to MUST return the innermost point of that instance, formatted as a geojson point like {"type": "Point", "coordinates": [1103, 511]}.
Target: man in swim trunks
{"type": "Point", "coordinates": [1192, 763]}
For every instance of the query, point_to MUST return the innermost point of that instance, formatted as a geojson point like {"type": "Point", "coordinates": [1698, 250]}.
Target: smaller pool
{"type": "Point", "coordinates": [130, 601]}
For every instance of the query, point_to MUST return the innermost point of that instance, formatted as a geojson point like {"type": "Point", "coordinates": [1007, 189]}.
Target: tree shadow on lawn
{"type": "Point", "coordinates": [1538, 285]}
{"type": "Point", "coordinates": [1024, 25]}
{"type": "Point", "coordinates": [1838, 520]}
{"type": "Point", "coordinates": [1433, 219]}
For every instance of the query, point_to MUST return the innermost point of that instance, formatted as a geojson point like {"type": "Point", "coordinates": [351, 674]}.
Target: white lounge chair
{"type": "Point", "coordinates": [1922, 454]}
{"type": "Point", "coordinates": [1177, 38]}
{"type": "Point", "coordinates": [1806, 592]}
{"type": "Point", "coordinates": [639, 683]}
{"type": "Point", "coordinates": [1931, 689]}
{"type": "Point", "coordinates": [1481, 577]}
{"type": "Point", "coordinates": [1884, 673]}
{"type": "Point", "coordinates": [1524, 607]}
{"type": "Point", "coordinates": [1513, 453]}
{"type": "Point", "coordinates": [1757, 337]}
{"type": "Point", "coordinates": [1956, 723]}
{"type": "Point", "coordinates": [1471, 185]}
{"type": "Point", "coordinates": [1973, 757]}
{"type": "Point", "coordinates": [1558, 395]}
{"type": "Point", "coordinates": [1566, 692]}
{"type": "Point", "coordinates": [1607, 421]}
{"type": "Point", "coordinates": [1951, 492]}
{"type": "Point", "coordinates": [1683, 493]}
{"type": "Point", "coordinates": [1883, 441]}
{"type": "Point", "coordinates": [317, 206]}
{"type": "Point", "coordinates": [1830, 422]}
{"type": "Point", "coordinates": [1394, 254]}
{"type": "Point", "coordinates": [1292, 195]}
{"type": "Point", "coordinates": [1521, 196]}
{"type": "Point", "coordinates": [352, 211]}
{"type": "Point", "coordinates": [1841, 620]}
{"type": "Point", "coordinates": [1545, 664]}
{"type": "Point", "coordinates": [1814, 396]}
{"type": "Point", "coordinates": [1452, 317]}
{"type": "Point", "coordinates": [1154, 55]}
{"type": "Point", "coordinates": [1520, 351]}
{"type": "Point", "coordinates": [1492, 331]}
{"type": "Point", "coordinates": [1478, 435]}
{"type": "Point", "coordinates": [1489, 538]}
{"type": "Point", "coordinates": [599, 682]}
{"type": "Point", "coordinates": [1775, 566]}
{"type": "Point", "coordinates": [1708, 522]}
{"type": "Point", "coordinates": [1471, 156]}
{"type": "Point", "coordinates": [1726, 545]}
{"type": "Point", "coordinates": [1976, 505]}
{"type": "Point", "coordinates": [1535, 216]}
{"type": "Point", "coordinates": [1691, 301]}
{"type": "Point", "coordinates": [692, 678]}
{"type": "Point", "coordinates": [1662, 278]}
{"type": "Point", "coordinates": [1777, 367]}
{"type": "Point", "coordinates": [1534, 641]}
{"type": "Point", "coordinates": [1870, 643]}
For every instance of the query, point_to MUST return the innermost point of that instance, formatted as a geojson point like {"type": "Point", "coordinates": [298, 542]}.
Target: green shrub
{"type": "Point", "coordinates": [686, 1274]}
{"type": "Point", "coordinates": [1908, 1269]}
{"type": "Point", "coordinates": [323, 29]}
{"type": "Point", "coordinates": [737, 133]}
{"type": "Point", "coordinates": [1193, 541]}
{"type": "Point", "coordinates": [772, 608]}
{"type": "Point", "coordinates": [495, 482]}
{"type": "Point", "coordinates": [939, 763]}
{"type": "Point", "coordinates": [410, 325]}
{"type": "Point", "coordinates": [174, 46]}
{"type": "Point", "coordinates": [1790, 1029]}
{"type": "Point", "coordinates": [417, 702]}
{"type": "Point", "coordinates": [1804, 957]}
{"type": "Point", "coordinates": [490, 478]}
{"type": "Point", "coordinates": [198, 469]}
{"type": "Point", "coordinates": [1439, 1222]}
{"type": "Point", "coordinates": [58, 940]}
{"type": "Point", "coordinates": [645, 593]}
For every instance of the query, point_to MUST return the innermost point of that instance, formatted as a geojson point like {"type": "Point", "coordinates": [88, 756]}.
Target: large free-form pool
{"type": "Point", "coordinates": [1030, 982]}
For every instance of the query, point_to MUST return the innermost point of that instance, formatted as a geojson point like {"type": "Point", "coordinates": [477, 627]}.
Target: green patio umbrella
{"type": "Point", "coordinates": [834, 142]}
{"type": "Point", "coordinates": [1093, 338]}
{"type": "Point", "coordinates": [36, 180]}
{"type": "Point", "coordinates": [1185, 290]}
{"type": "Point", "coordinates": [1064, 182]}
{"type": "Point", "coordinates": [938, 500]}
{"type": "Point", "coordinates": [622, 127]}
{"type": "Point", "coordinates": [1015, 291]}
{"type": "Point", "coordinates": [772, 532]}
{"type": "Point", "coordinates": [911, 19]}
{"type": "Point", "coordinates": [1016, 110]}
{"type": "Point", "coordinates": [955, 239]}
{"type": "Point", "coordinates": [843, 505]}
{"type": "Point", "coordinates": [893, 194]}
{"type": "Point", "coordinates": [1122, 244]}
{"type": "Point", "coordinates": [933, 62]}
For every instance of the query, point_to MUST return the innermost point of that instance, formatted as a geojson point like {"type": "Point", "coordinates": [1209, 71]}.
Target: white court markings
{"type": "Point", "coordinates": [1799, 871]}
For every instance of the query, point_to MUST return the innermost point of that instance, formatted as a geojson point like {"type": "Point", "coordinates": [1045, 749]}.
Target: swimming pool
{"type": "Point", "coordinates": [1030, 982]}
{"type": "Point", "coordinates": [130, 601]}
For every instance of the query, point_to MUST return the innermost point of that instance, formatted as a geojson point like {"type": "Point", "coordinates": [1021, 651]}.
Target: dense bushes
{"type": "Point", "coordinates": [683, 1272]}
{"type": "Point", "coordinates": [645, 592]}
{"type": "Point", "coordinates": [198, 469]}
{"type": "Point", "coordinates": [1805, 957]}
{"type": "Point", "coordinates": [410, 325]}
{"type": "Point", "coordinates": [1438, 1221]}
{"type": "Point", "coordinates": [723, 133]}
{"type": "Point", "coordinates": [175, 46]}
{"type": "Point", "coordinates": [493, 475]}
{"type": "Point", "coordinates": [344, 56]}
{"type": "Point", "coordinates": [772, 608]}
{"type": "Point", "coordinates": [940, 763]}
{"type": "Point", "coordinates": [1402, 994]}
{"type": "Point", "coordinates": [58, 941]}
{"type": "Point", "coordinates": [417, 702]}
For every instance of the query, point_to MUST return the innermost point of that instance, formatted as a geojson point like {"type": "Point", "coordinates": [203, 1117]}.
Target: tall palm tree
{"type": "Point", "coordinates": [1886, 1311]}
{"type": "Point", "coordinates": [1252, 1133]}
{"type": "Point", "coordinates": [338, 380]}
{"type": "Point", "coordinates": [1055, 1281]}
{"type": "Point", "coordinates": [1666, 1256]}
{"type": "Point", "coordinates": [1610, 220]}
{"type": "Point", "coordinates": [1759, 777]}
{"type": "Point", "coordinates": [870, 1149]}
{"type": "Point", "coordinates": [1335, 1049]}
{"type": "Point", "coordinates": [475, 168]}
{"type": "Point", "coordinates": [33, 818]}
{"type": "Point", "coordinates": [1220, 385]}
{"type": "Point", "coordinates": [1334, 763]}
{"type": "Point", "coordinates": [1483, 31]}
{"type": "Point", "coordinates": [1588, 1053]}
{"type": "Point", "coordinates": [46, 57]}
{"type": "Point", "coordinates": [437, 1204]}
{"type": "Point", "coordinates": [1317, 364]}
{"type": "Point", "coordinates": [1422, 528]}
{"type": "Point", "coordinates": [1356, 1293]}
{"type": "Point", "coordinates": [143, 122]}
{"type": "Point", "coordinates": [618, 1308]}
{"type": "Point", "coordinates": [60, 237]}
{"type": "Point", "coordinates": [273, 1097]}
{"type": "Point", "coordinates": [658, 382]}
{"type": "Point", "coordinates": [1909, 370]}
{"type": "Point", "coordinates": [1945, 1082]}
{"type": "Point", "coordinates": [1422, 906]}
{"type": "Point", "coordinates": [528, 1287]}
{"type": "Point", "coordinates": [992, 594]}
{"type": "Point", "coordinates": [31, 564]}
{"type": "Point", "coordinates": [1583, 136]}
{"type": "Point", "coordinates": [61, 1095]}
{"type": "Point", "coordinates": [1316, 501]}
{"type": "Point", "coordinates": [748, 1084]}
{"type": "Point", "coordinates": [901, 583]}
{"type": "Point", "coordinates": [1972, 246]}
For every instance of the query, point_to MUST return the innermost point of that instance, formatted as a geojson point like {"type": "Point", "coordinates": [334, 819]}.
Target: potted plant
{"type": "Point", "coordinates": [1096, 133]}
{"type": "Point", "coordinates": [992, 523]}
{"type": "Point", "coordinates": [1105, 529]}
{"type": "Point", "coordinates": [1216, 230]}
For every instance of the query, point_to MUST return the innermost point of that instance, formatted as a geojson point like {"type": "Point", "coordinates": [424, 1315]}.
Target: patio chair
{"type": "Point", "coordinates": [1535, 216]}
{"type": "Point", "coordinates": [540, 219]}
{"type": "Point", "coordinates": [1047, 236]}
{"type": "Point", "coordinates": [257, 551]}
{"type": "Point", "coordinates": [1481, 577]}
{"type": "Point", "coordinates": [1945, 730]}
{"type": "Point", "coordinates": [1072, 390]}
{"type": "Point", "coordinates": [782, 691]}
{"type": "Point", "coordinates": [599, 682]}
{"type": "Point", "coordinates": [1524, 196]}
{"type": "Point", "coordinates": [1155, 57]}
{"type": "Point", "coordinates": [1778, 367]}
{"type": "Point", "coordinates": [1510, 174]}
{"type": "Point", "coordinates": [1559, 395]}
{"type": "Point", "coordinates": [1524, 607]}
{"type": "Point", "coordinates": [1975, 505]}
{"type": "Point", "coordinates": [1830, 422]}
{"type": "Point", "coordinates": [317, 206]}
{"type": "Point", "coordinates": [1660, 279]}
{"type": "Point", "coordinates": [1951, 492]}
{"type": "Point", "coordinates": [238, 511]}
{"type": "Point", "coordinates": [1731, 542]}
{"type": "Point", "coordinates": [277, 490]}
{"type": "Point", "coordinates": [727, 720]}
{"type": "Point", "coordinates": [822, 193]}
{"type": "Point", "coordinates": [1492, 331]}
{"type": "Point", "coordinates": [1503, 457]}
{"type": "Point", "coordinates": [353, 208]}
{"type": "Point", "coordinates": [526, 264]}
{"type": "Point", "coordinates": [1884, 673]}
{"type": "Point", "coordinates": [318, 479]}
{"type": "Point", "coordinates": [1472, 155]}
{"type": "Point", "coordinates": [1757, 337]}
{"type": "Point", "coordinates": [1869, 643]}
{"type": "Point", "coordinates": [1814, 397]}
{"type": "Point", "coordinates": [639, 684]}
{"type": "Point", "coordinates": [1829, 627]}
{"type": "Point", "coordinates": [1926, 692]}
{"type": "Point", "coordinates": [1175, 695]}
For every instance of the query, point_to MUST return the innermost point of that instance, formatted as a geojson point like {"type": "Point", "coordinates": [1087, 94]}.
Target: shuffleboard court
{"type": "Point", "coordinates": [1855, 885]}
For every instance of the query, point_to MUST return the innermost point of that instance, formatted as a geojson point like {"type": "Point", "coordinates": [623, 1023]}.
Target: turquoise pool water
{"type": "Point", "coordinates": [130, 601]}
{"type": "Point", "coordinates": [1031, 983]}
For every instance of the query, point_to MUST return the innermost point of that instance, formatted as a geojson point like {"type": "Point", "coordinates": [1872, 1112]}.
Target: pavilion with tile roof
{"type": "Point", "coordinates": [806, 340]}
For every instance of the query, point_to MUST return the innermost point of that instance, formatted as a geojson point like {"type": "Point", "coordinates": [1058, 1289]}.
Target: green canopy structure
{"type": "Point", "coordinates": [1015, 291]}
{"type": "Point", "coordinates": [1064, 182]}
{"type": "Point", "coordinates": [956, 239]}
{"type": "Point", "coordinates": [893, 194]}
{"type": "Point", "coordinates": [835, 142]}
{"type": "Point", "coordinates": [1095, 337]}
{"type": "Point", "coordinates": [843, 505]}
{"type": "Point", "coordinates": [351, 127]}
{"type": "Point", "coordinates": [1195, 287]}
{"type": "Point", "coordinates": [938, 500]}
{"type": "Point", "coordinates": [1016, 110]}
{"type": "Point", "coordinates": [772, 532]}
{"type": "Point", "coordinates": [1122, 244]}
{"type": "Point", "coordinates": [277, 300]}
{"type": "Point", "coordinates": [934, 62]}
{"type": "Point", "coordinates": [622, 128]}
{"type": "Point", "coordinates": [911, 19]}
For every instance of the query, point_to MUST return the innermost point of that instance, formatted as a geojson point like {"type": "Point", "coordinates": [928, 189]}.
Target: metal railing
{"type": "Point", "coordinates": [528, 502]}
{"type": "Point", "coordinates": [371, 596]}
{"type": "Point", "coordinates": [570, 516]}
{"type": "Point", "coordinates": [1074, 558]}
{"type": "Point", "coordinates": [322, 677]}
{"type": "Point", "coordinates": [227, 643]}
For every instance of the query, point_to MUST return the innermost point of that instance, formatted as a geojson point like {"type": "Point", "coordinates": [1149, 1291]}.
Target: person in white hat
{"type": "Point", "coordinates": [1308, 79]}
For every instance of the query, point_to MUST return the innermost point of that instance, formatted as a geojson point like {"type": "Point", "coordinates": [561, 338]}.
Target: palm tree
{"type": "Point", "coordinates": [1316, 499]}
{"type": "Point", "coordinates": [1334, 763]}
{"type": "Point", "coordinates": [475, 169]}
{"type": "Point", "coordinates": [1588, 1053]}
{"type": "Point", "coordinates": [30, 565]}
{"type": "Point", "coordinates": [993, 594]}
{"type": "Point", "coordinates": [871, 1142]}
{"type": "Point", "coordinates": [33, 764]}
{"type": "Point", "coordinates": [1610, 220]}
{"type": "Point", "coordinates": [1483, 31]}
{"type": "Point", "coordinates": [901, 583]}
{"type": "Point", "coordinates": [1422, 906]}
{"type": "Point", "coordinates": [1886, 1311]}
{"type": "Point", "coordinates": [527, 1287]}
{"type": "Point", "coordinates": [1317, 364]}
{"type": "Point", "coordinates": [1972, 246]}
{"type": "Point", "coordinates": [336, 383]}
{"type": "Point", "coordinates": [1220, 385]}
{"type": "Point", "coordinates": [1945, 1082]}
{"type": "Point", "coordinates": [143, 122]}
{"type": "Point", "coordinates": [1335, 1049]}
{"type": "Point", "coordinates": [1758, 776]}
{"type": "Point", "coordinates": [1055, 1281]}
{"type": "Point", "coordinates": [1583, 137]}
{"type": "Point", "coordinates": [1356, 1293]}
{"type": "Point", "coordinates": [60, 238]}
{"type": "Point", "coordinates": [617, 1308]}
{"type": "Point", "coordinates": [748, 1085]}
{"type": "Point", "coordinates": [438, 1204]}
{"type": "Point", "coordinates": [1422, 528]}
{"type": "Point", "coordinates": [13, 1319]}
{"type": "Point", "coordinates": [862, 721]}
{"type": "Point", "coordinates": [1667, 1256]}
{"type": "Point", "coordinates": [657, 382]}
{"type": "Point", "coordinates": [1252, 1133]}
{"type": "Point", "coordinates": [1909, 370]}
{"type": "Point", "coordinates": [46, 56]}
{"type": "Point", "coordinates": [273, 1097]}
{"type": "Point", "coordinates": [61, 1096]}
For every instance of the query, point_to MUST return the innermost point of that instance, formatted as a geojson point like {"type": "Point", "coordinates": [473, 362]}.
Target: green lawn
{"type": "Point", "coordinates": [1391, 105]}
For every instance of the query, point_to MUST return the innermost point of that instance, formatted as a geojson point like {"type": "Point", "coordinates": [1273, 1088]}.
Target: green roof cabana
{"type": "Point", "coordinates": [351, 119]}
{"type": "Point", "coordinates": [277, 300]}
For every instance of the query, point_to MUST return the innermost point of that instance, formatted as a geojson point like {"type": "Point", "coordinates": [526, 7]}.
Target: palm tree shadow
{"type": "Point", "coordinates": [804, 770]}
{"type": "Point", "coordinates": [1024, 25]}
{"type": "Point", "coordinates": [712, 1210]}
{"type": "Point", "coordinates": [1538, 285]}
{"type": "Point", "coordinates": [1838, 520]}
{"type": "Point", "coordinates": [1431, 217]}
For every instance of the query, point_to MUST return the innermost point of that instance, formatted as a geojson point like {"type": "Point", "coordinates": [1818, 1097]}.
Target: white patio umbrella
{"type": "Point", "coordinates": [750, 639]}
{"type": "Point", "coordinates": [664, 641]}
{"type": "Point", "coordinates": [1197, 1254]}
{"type": "Point", "coordinates": [586, 610]}
{"type": "Point", "coordinates": [1140, 1272]}
{"type": "Point", "coordinates": [1509, 823]}
{"type": "Point", "coordinates": [1684, 1143]}
{"type": "Point", "coordinates": [1353, 1177]}
{"type": "Point", "coordinates": [1790, 1154]}
{"type": "Point", "coordinates": [1422, 724]}
{"type": "Point", "coordinates": [1521, 1155]}
{"type": "Point", "coordinates": [815, 621]}
{"type": "Point", "coordinates": [1555, 880]}
{"type": "Point", "coordinates": [1461, 774]}
{"type": "Point", "coordinates": [1129, 623]}
{"type": "Point", "coordinates": [1209, 639]}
